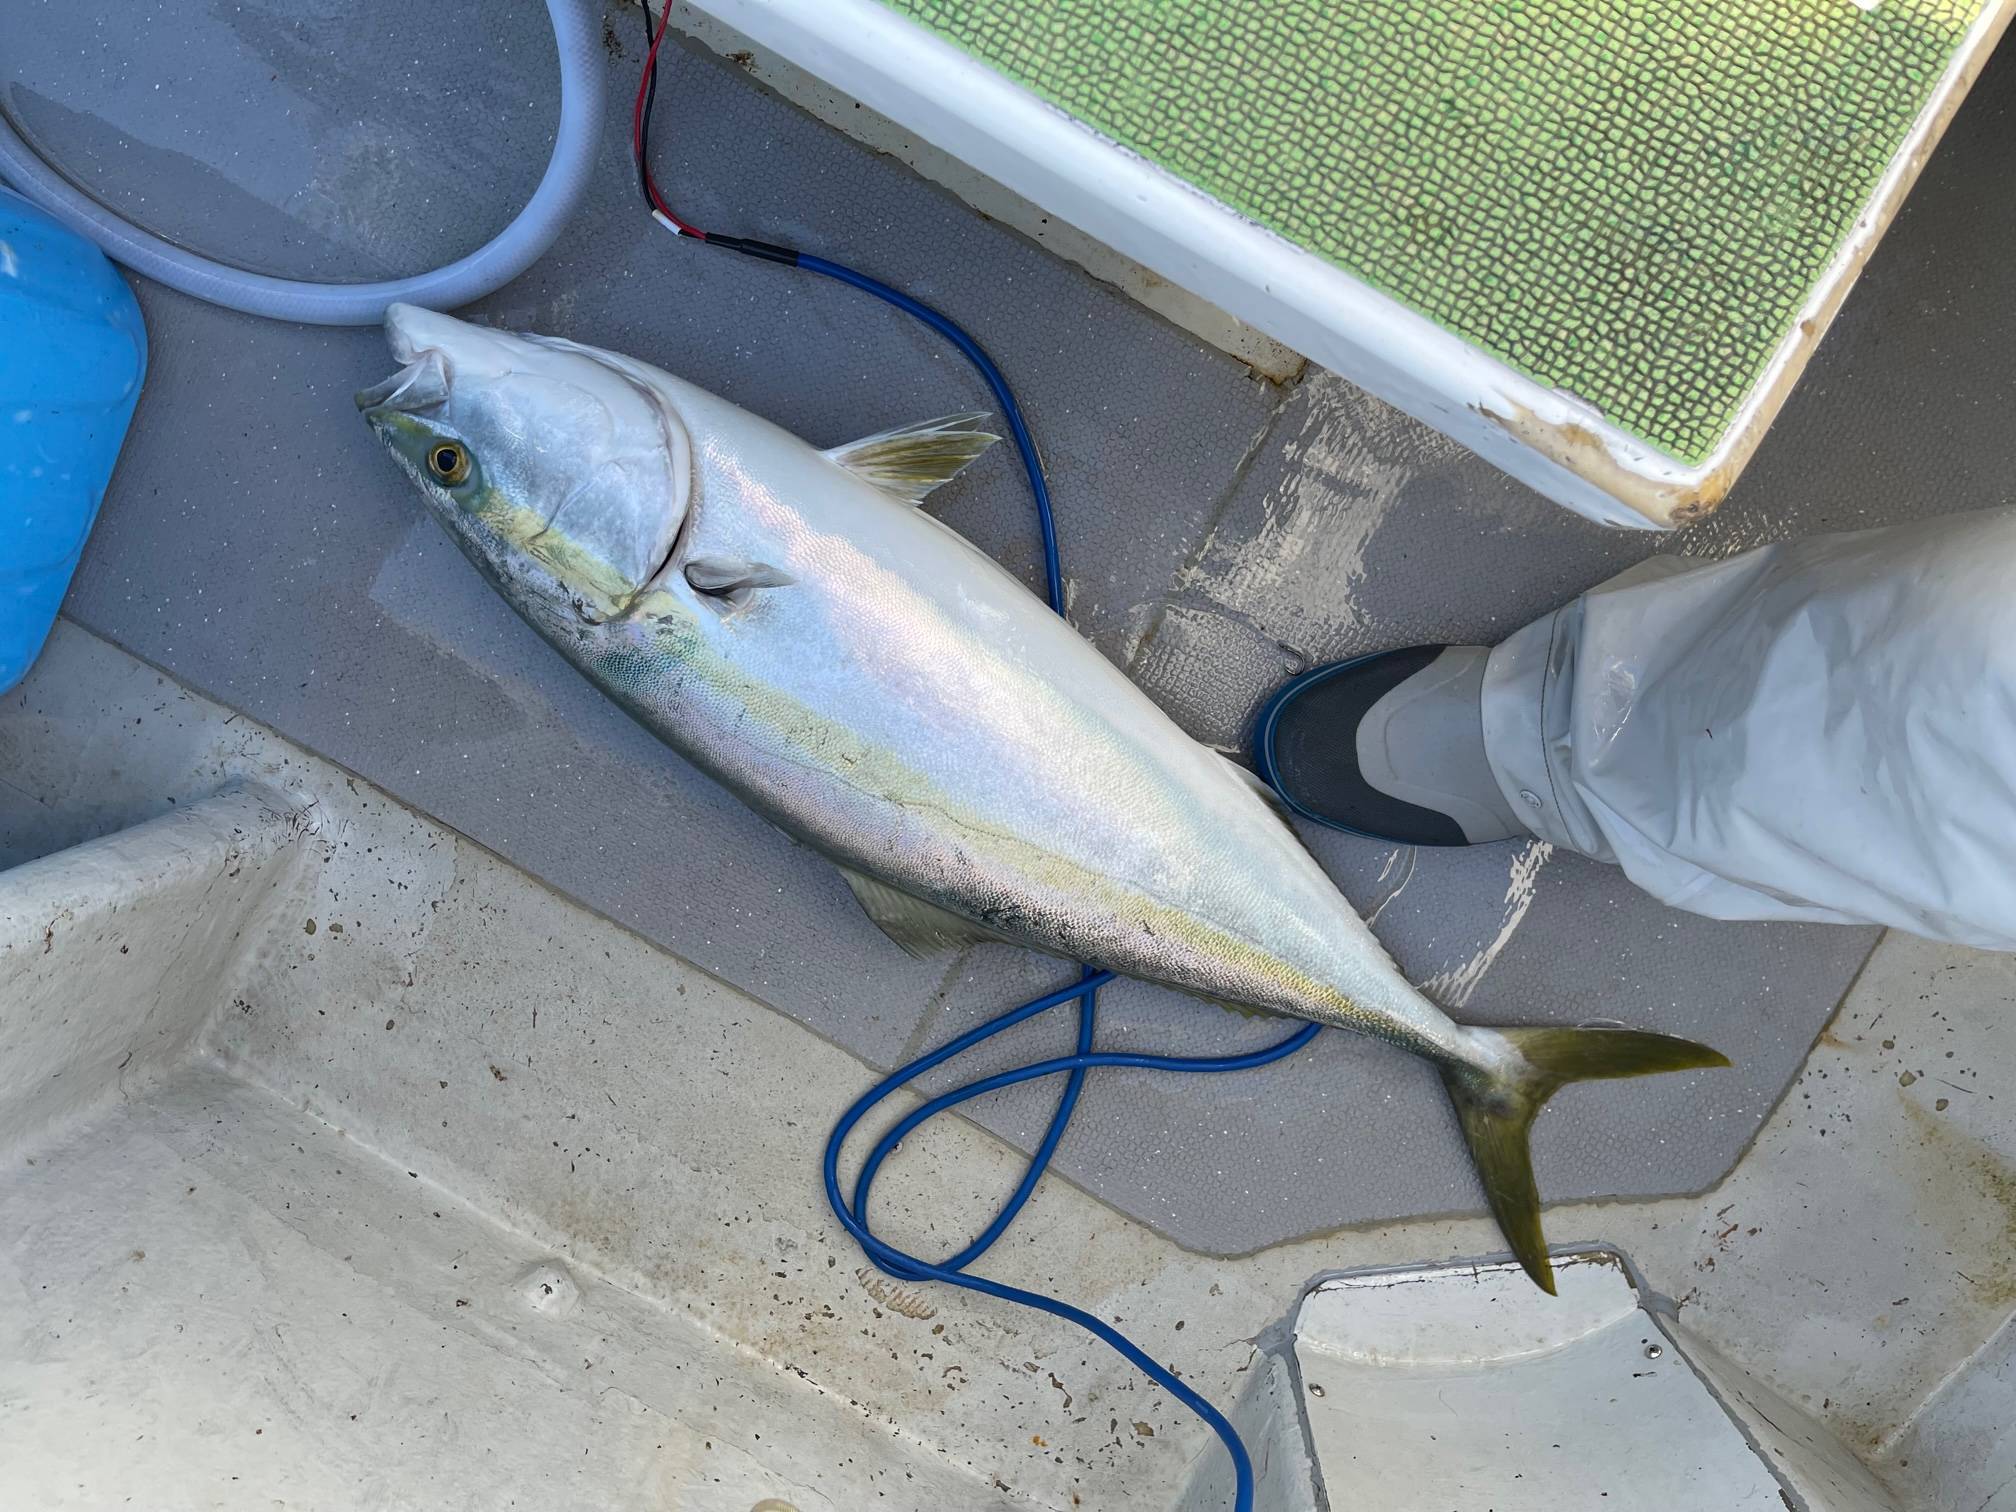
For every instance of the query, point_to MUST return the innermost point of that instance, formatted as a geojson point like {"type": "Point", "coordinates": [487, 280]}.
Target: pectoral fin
{"type": "Point", "coordinates": [911, 460]}
{"type": "Point", "coordinates": [734, 580]}
{"type": "Point", "coordinates": [922, 929]}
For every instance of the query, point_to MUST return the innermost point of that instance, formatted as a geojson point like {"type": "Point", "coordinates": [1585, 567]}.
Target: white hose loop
{"type": "Point", "coordinates": [514, 249]}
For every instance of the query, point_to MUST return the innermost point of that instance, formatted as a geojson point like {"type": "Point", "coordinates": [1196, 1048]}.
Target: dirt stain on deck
{"type": "Point", "coordinates": [1973, 1180]}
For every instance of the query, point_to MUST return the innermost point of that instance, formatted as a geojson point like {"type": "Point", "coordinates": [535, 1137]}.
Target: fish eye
{"type": "Point", "coordinates": [448, 461]}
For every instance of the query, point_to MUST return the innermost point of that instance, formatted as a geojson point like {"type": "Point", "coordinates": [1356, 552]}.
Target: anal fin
{"type": "Point", "coordinates": [922, 929]}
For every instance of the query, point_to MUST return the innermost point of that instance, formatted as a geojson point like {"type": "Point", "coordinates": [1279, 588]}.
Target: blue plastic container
{"type": "Point", "coordinates": [73, 350]}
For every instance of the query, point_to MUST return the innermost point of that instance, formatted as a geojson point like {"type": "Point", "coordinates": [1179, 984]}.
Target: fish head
{"type": "Point", "coordinates": [558, 469]}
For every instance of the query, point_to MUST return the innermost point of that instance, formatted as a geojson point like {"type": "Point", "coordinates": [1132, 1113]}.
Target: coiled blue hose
{"type": "Point", "coordinates": [852, 1212]}
{"type": "Point", "coordinates": [583, 70]}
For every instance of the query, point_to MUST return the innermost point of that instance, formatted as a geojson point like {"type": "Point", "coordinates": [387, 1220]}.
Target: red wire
{"type": "Point", "coordinates": [637, 131]}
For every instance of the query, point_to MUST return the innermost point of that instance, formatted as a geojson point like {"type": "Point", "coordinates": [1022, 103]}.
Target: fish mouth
{"type": "Point", "coordinates": [419, 339]}
{"type": "Point", "coordinates": [421, 384]}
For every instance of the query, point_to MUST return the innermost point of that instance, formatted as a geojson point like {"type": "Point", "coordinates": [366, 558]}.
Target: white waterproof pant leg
{"type": "Point", "coordinates": [1819, 730]}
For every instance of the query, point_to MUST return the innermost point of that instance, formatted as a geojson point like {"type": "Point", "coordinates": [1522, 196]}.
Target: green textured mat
{"type": "Point", "coordinates": [1629, 201]}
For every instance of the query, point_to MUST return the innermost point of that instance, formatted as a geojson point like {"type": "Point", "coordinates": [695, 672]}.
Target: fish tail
{"type": "Point", "coordinates": [1496, 1109]}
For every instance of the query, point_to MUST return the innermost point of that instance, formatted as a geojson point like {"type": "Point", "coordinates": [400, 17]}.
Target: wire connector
{"type": "Point", "coordinates": [767, 251]}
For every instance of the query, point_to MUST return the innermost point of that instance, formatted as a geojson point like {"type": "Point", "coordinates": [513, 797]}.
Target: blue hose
{"type": "Point", "coordinates": [1025, 446]}
{"type": "Point", "coordinates": [853, 1211]}
{"type": "Point", "coordinates": [853, 1214]}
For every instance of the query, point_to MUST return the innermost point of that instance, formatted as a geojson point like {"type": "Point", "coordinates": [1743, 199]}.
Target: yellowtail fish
{"type": "Point", "coordinates": [789, 621]}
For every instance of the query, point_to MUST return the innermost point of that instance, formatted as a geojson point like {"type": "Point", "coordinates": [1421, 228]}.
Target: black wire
{"type": "Point", "coordinates": [650, 99]}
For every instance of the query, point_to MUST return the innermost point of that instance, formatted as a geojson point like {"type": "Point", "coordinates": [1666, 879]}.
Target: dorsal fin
{"type": "Point", "coordinates": [921, 928]}
{"type": "Point", "coordinates": [911, 460]}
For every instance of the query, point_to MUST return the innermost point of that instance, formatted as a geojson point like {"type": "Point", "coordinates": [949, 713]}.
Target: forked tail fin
{"type": "Point", "coordinates": [1497, 1113]}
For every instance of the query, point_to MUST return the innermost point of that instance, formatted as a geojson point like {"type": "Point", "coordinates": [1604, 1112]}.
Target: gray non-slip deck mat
{"type": "Point", "coordinates": [258, 545]}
